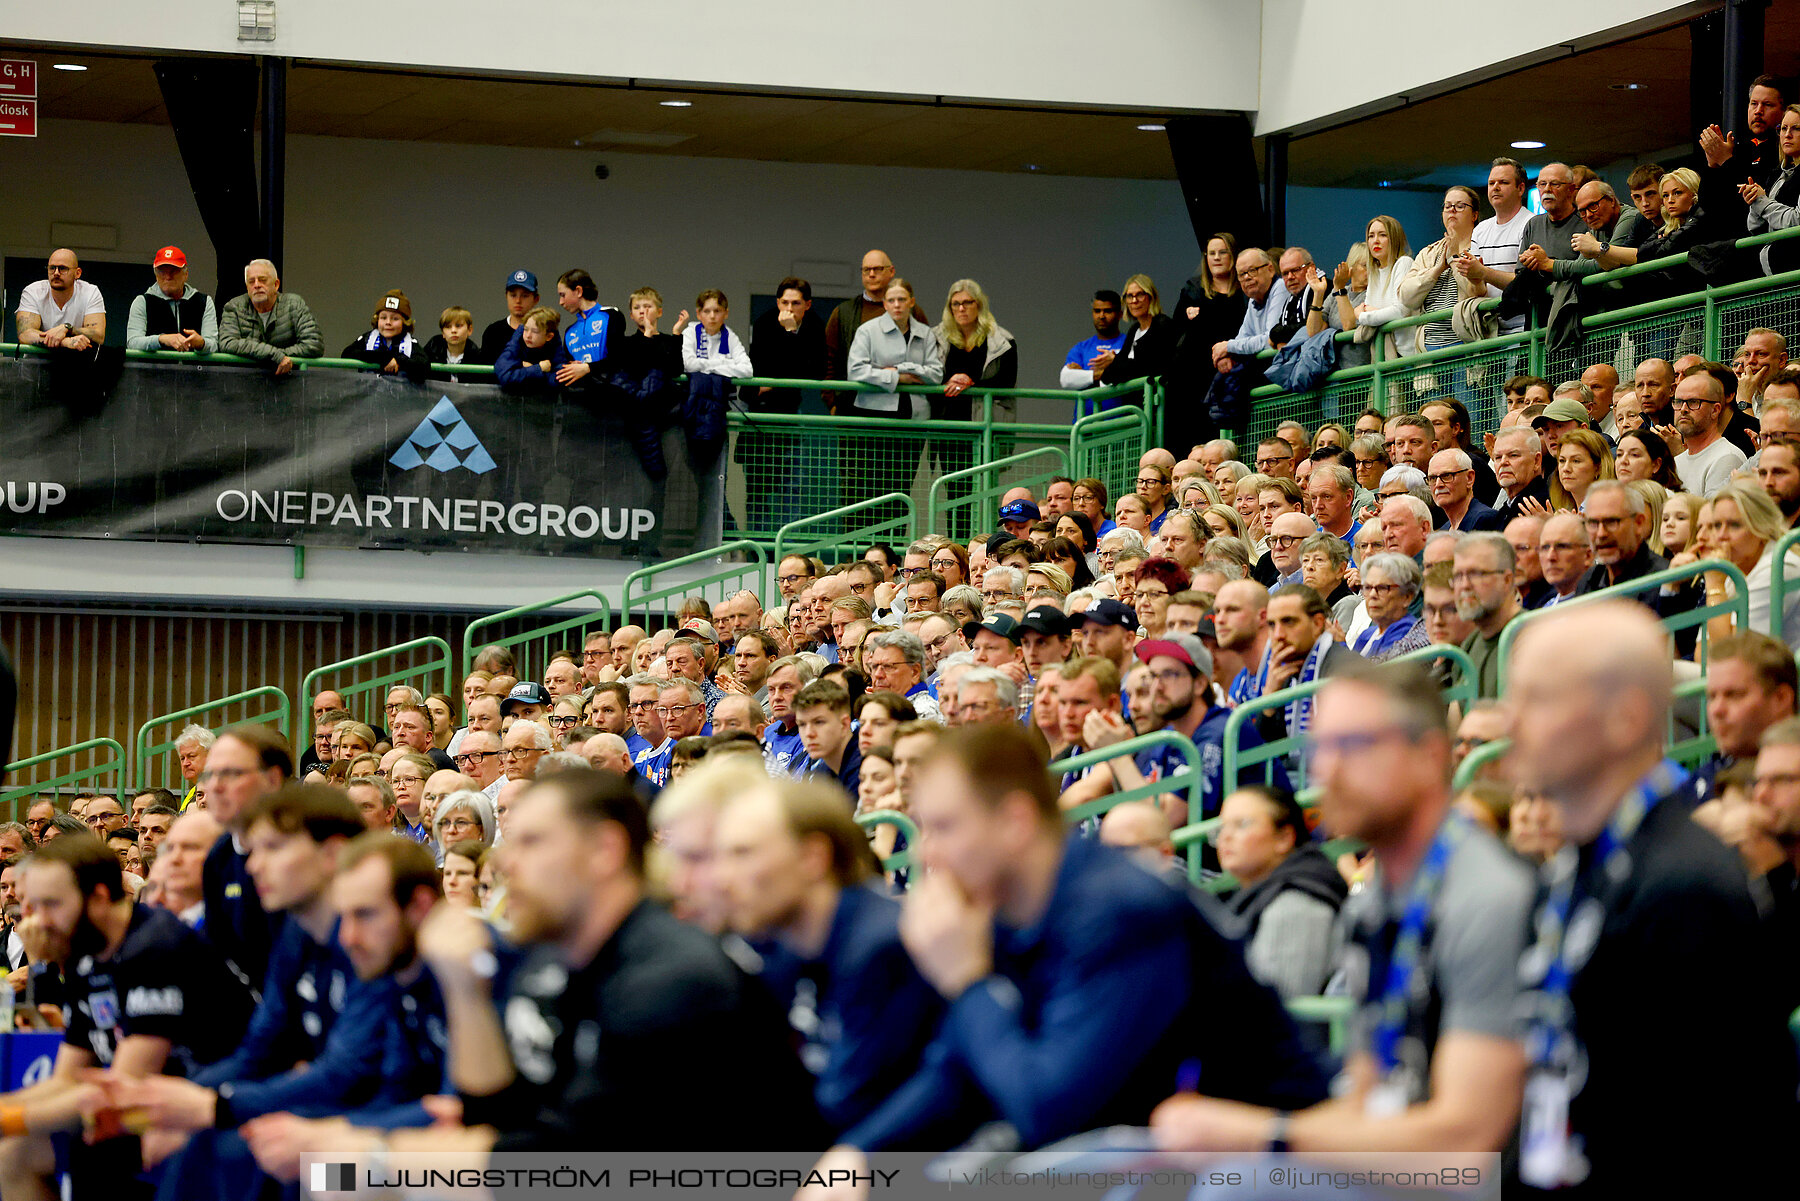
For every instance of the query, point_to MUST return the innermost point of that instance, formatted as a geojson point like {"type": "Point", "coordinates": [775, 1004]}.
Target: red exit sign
{"type": "Point", "coordinates": [18, 78]}
{"type": "Point", "coordinates": [18, 118]}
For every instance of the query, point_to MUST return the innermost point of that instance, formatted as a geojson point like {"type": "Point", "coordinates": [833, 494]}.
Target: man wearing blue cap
{"type": "Point", "coordinates": [521, 298]}
{"type": "Point", "coordinates": [1016, 517]}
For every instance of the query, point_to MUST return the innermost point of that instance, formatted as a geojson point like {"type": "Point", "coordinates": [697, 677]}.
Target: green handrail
{"type": "Point", "coordinates": [1381, 367]}
{"type": "Point", "coordinates": [1475, 760]}
{"type": "Point", "coordinates": [1096, 432]}
{"type": "Point", "coordinates": [116, 765]}
{"type": "Point", "coordinates": [599, 615]}
{"type": "Point", "coordinates": [1183, 781]}
{"type": "Point", "coordinates": [1238, 759]}
{"type": "Point", "coordinates": [279, 717]}
{"type": "Point", "coordinates": [439, 665]}
{"type": "Point", "coordinates": [934, 508]}
{"type": "Point", "coordinates": [1778, 582]}
{"type": "Point", "coordinates": [1737, 606]}
{"type": "Point", "coordinates": [1333, 1012]}
{"type": "Point", "coordinates": [899, 860]}
{"type": "Point", "coordinates": [787, 543]}
{"type": "Point", "coordinates": [752, 574]}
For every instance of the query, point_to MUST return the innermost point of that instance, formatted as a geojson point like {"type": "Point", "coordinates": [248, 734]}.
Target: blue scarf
{"type": "Point", "coordinates": [406, 345]}
{"type": "Point", "coordinates": [1389, 639]}
{"type": "Point", "coordinates": [1299, 712]}
{"type": "Point", "coordinates": [700, 347]}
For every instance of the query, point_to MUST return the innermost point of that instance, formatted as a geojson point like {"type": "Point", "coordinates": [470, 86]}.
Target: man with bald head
{"type": "Point", "coordinates": [1654, 383]}
{"type": "Point", "coordinates": [733, 616]}
{"type": "Point", "coordinates": [1650, 923]}
{"type": "Point", "coordinates": [1708, 458]}
{"type": "Point", "coordinates": [847, 318]}
{"type": "Point", "coordinates": [61, 311]}
{"type": "Point", "coordinates": [1603, 382]}
{"type": "Point", "coordinates": [1565, 555]}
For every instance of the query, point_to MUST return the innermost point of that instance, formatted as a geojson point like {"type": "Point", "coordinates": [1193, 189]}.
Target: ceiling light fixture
{"type": "Point", "coordinates": [1152, 127]}
{"type": "Point", "coordinates": [676, 103]}
{"type": "Point", "coordinates": [1033, 167]}
{"type": "Point", "coordinates": [1527, 144]}
{"type": "Point", "coordinates": [1628, 87]}
{"type": "Point", "coordinates": [67, 67]}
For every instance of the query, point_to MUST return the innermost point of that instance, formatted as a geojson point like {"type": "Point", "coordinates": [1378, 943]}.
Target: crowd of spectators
{"type": "Point", "coordinates": [395, 940]}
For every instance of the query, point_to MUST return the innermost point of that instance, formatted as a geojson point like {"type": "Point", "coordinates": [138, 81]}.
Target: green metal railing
{"type": "Point", "coordinates": [1288, 749]}
{"type": "Point", "coordinates": [891, 517]}
{"type": "Point", "coordinates": [1185, 783]}
{"type": "Point", "coordinates": [900, 860]}
{"type": "Point", "coordinates": [641, 594]}
{"type": "Point", "coordinates": [1701, 321]}
{"type": "Point", "coordinates": [1689, 694]}
{"type": "Point", "coordinates": [1332, 1012]}
{"type": "Point", "coordinates": [1470, 768]}
{"type": "Point", "coordinates": [964, 502]}
{"type": "Point", "coordinates": [146, 752]}
{"type": "Point", "coordinates": [1107, 446]}
{"type": "Point", "coordinates": [595, 616]}
{"type": "Point", "coordinates": [1779, 585]}
{"type": "Point", "coordinates": [431, 675]}
{"type": "Point", "coordinates": [114, 765]}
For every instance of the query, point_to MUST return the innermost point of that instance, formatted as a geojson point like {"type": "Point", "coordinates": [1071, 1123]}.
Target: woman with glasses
{"type": "Point", "coordinates": [1433, 283]}
{"type": "Point", "coordinates": [1390, 262]}
{"type": "Point", "coordinates": [1288, 893]}
{"type": "Point", "coordinates": [977, 352]}
{"type": "Point", "coordinates": [466, 816]}
{"type": "Point", "coordinates": [565, 716]}
{"type": "Point", "coordinates": [407, 776]}
{"type": "Point", "coordinates": [963, 604]}
{"type": "Point", "coordinates": [1089, 500]}
{"type": "Point", "coordinates": [1153, 583]}
{"type": "Point", "coordinates": [1582, 457]}
{"type": "Point", "coordinates": [1390, 584]}
{"type": "Point", "coordinates": [1149, 337]}
{"type": "Point", "coordinates": [1152, 487]}
{"type": "Point", "coordinates": [951, 561]}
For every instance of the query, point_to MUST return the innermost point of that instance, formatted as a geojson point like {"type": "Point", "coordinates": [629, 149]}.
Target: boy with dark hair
{"type": "Point", "coordinates": [822, 713]}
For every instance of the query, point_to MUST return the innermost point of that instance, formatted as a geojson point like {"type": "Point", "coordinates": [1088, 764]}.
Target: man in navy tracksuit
{"type": "Point", "coordinates": [384, 890]}
{"type": "Point", "coordinates": [315, 1038]}
{"type": "Point", "coordinates": [799, 877]}
{"type": "Point", "coordinates": [246, 762]}
{"type": "Point", "coordinates": [1081, 989]}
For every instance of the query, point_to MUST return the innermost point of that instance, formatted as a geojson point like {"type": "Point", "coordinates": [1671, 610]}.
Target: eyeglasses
{"type": "Point", "coordinates": [1140, 295]}
{"type": "Point", "coordinates": [945, 562]}
{"type": "Point", "coordinates": [471, 758]}
{"type": "Point", "coordinates": [1470, 574]}
{"type": "Point", "coordinates": [1604, 523]}
{"type": "Point", "coordinates": [459, 823]}
{"type": "Point", "coordinates": [1271, 460]}
{"type": "Point", "coordinates": [1680, 403]}
{"type": "Point", "coordinates": [907, 573]}
{"type": "Point", "coordinates": [565, 723]}
{"type": "Point", "coordinates": [1555, 183]}
{"type": "Point", "coordinates": [392, 706]}
{"type": "Point", "coordinates": [1247, 272]}
{"type": "Point", "coordinates": [220, 775]}
{"type": "Point", "coordinates": [1350, 744]}
{"type": "Point", "coordinates": [1148, 593]}
{"type": "Point", "coordinates": [1083, 498]}
{"type": "Point", "coordinates": [1459, 206]}
{"type": "Point", "coordinates": [1556, 548]}
{"type": "Point", "coordinates": [672, 710]}
{"type": "Point", "coordinates": [519, 752]}
{"type": "Point", "coordinates": [1286, 540]}
{"type": "Point", "coordinates": [1587, 209]}
{"type": "Point", "coordinates": [962, 304]}
{"type": "Point", "coordinates": [1380, 589]}
{"type": "Point", "coordinates": [396, 781]}
{"type": "Point", "coordinates": [640, 706]}
{"type": "Point", "coordinates": [1444, 477]}
{"type": "Point", "coordinates": [1149, 479]}
{"type": "Point", "coordinates": [586, 655]}
{"type": "Point", "coordinates": [791, 579]}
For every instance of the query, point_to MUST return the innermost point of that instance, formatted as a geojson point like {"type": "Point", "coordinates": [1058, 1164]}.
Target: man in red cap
{"type": "Point", "coordinates": [171, 314]}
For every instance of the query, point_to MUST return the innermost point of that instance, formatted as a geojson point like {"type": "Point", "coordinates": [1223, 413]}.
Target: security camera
{"type": "Point", "coordinates": [601, 170]}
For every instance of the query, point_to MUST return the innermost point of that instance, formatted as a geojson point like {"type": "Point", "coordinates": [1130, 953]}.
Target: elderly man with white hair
{"type": "Point", "coordinates": [191, 746]}
{"type": "Point", "coordinates": [1452, 481]}
{"type": "Point", "coordinates": [267, 323]}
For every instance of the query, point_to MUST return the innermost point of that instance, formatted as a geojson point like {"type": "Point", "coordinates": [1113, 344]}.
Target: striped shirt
{"type": "Point", "coordinates": [1497, 246]}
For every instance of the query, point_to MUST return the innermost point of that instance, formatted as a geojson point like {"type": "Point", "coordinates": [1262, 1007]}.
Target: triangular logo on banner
{"type": "Point", "coordinates": [444, 442]}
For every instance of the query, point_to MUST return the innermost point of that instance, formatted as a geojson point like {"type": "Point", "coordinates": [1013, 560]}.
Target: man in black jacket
{"type": "Point", "coordinates": [610, 1032]}
{"type": "Point", "coordinates": [247, 762]}
{"type": "Point", "coordinates": [788, 342]}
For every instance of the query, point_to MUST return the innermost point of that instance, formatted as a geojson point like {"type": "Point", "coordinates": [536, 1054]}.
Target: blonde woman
{"type": "Point", "coordinates": [1149, 336]}
{"type": "Point", "coordinates": [1223, 521]}
{"type": "Point", "coordinates": [1389, 263]}
{"type": "Point", "coordinates": [1685, 225]}
{"type": "Point", "coordinates": [1350, 288]}
{"type": "Point", "coordinates": [1742, 526]}
{"type": "Point", "coordinates": [977, 352]}
{"type": "Point", "coordinates": [1581, 458]}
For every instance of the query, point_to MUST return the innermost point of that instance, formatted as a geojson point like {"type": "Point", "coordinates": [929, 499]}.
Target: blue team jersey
{"type": "Point", "coordinates": [590, 334]}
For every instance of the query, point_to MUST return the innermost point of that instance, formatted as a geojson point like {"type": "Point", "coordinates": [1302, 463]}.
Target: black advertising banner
{"type": "Point", "coordinates": [190, 452]}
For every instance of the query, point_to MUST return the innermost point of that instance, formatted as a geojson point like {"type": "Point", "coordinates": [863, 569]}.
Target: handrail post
{"type": "Point", "coordinates": [1709, 337]}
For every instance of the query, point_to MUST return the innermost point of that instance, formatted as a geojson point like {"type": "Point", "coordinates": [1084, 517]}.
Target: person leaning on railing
{"type": "Point", "coordinates": [1433, 283]}
{"type": "Point", "coordinates": [1390, 263]}
{"type": "Point", "coordinates": [1779, 206]}
{"type": "Point", "coordinates": [1685, 226]}
{"type": "Point", "coordinates": [267, 323]}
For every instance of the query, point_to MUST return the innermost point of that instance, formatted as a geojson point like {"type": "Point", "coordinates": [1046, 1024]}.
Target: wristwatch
{"type": "Point", "coordinates": [1278, 1132]}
